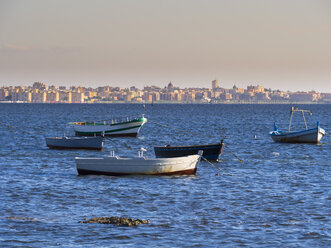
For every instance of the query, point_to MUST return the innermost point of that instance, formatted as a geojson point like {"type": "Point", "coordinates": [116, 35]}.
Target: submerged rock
{"type": "Point", "coordinates": [118, 221]}
{"type": "Point", "coordinates": [19, 218]}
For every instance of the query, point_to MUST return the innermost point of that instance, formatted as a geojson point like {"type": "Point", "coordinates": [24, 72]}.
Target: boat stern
{"type": "Point", "coordinates": [320, 133]}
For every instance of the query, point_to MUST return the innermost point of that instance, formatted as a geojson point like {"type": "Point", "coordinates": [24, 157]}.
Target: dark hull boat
{"type": "Point", "coordinates": [90, 143]}
{"type": "Point", "coordinates": [210, 152]}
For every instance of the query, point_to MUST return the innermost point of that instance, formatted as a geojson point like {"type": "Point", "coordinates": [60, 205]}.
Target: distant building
{"type": "Point", "coordinates": [90, 94]}
{"type": "Point", "coordinates": [188, 97]}
{"type": "Point", "coordinates": [326, 97]}
{"type": "Point", "coordinates": [39, 86]}
{"type": "Point", "coordinates": [52, 87]}
{"type": "Point", "coordinates": [65, 96]}
{"type": "Point", "coordinates": [214, 84]}
{"type": "Point", "coordinates": [39, 96]}
{"type": "Point", "coordinates": [170, 87]}
{"type": "Point", "coordinates": [23, 96]}
{"type": "Point", "coordinates": [129, 96]}
{"type": "Point", "coordinates": [4, 93]}
{"type": "Point", "coordinates": [133, 88]}
{"type": "Point", "coordinates": [53, 96]}
{"type": "Point", "coordinates": [148, 97]}
{"type": "Point", "coordinates": [138, 99]}
{"type": "Point", "coordinates": [167, 96]}
{"type": "Point", "coordinates": [262, 96]}
{"type": "Point", "coordinates": [255, 89]}
{"type": "Point", "coordinates": [304, 97]}
{"type": "Point", "coordinates": [77, 97]}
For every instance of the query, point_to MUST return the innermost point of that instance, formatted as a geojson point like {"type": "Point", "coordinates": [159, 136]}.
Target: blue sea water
{"type": "Point", "coordinates": [279, 196]}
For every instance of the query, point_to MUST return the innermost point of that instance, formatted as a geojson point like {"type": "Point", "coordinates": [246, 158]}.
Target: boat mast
{"type": "Point", "coordinates": [303, 116]}
{"type": "Point", "coordinates": [289, 126]}
{"type": "Point", "coordinates": [304, 119]}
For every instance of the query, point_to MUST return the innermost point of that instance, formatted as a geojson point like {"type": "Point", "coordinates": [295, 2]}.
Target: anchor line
{"type": "Point", "coordinates": [214, 166]}
{"type": "Point", "coordinates": [234, 154]}
{"type": "Point", "coordinates": [227, 146]}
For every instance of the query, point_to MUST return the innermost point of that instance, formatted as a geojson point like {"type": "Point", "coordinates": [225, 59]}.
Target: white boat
{"type": "Point", "coordinates": [116, 166]}
{"type": "Point", "coordinates": [112, 128]}
{"type": "Point", "coordinates": [313, 135]}
{"type": "Point", "coordinates": [65, 142]}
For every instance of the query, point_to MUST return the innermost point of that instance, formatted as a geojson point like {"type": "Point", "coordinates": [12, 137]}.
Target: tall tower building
{"type": "Point", "coordinates": [214, 84]}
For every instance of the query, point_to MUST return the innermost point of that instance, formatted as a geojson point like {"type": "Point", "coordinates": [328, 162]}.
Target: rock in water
{"type": "Point", "coordinates": [18, 218]}
{"type": "Point", "coordinates": [118, 221]}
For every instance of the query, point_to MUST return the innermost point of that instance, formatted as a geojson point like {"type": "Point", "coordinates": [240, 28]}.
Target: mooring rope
{"type": "Point", "coordinates": [215, 166]}
{"type": "Point", "coordinates": [227, 146]}
{"type": "Point", "coordinates": [234, 154]}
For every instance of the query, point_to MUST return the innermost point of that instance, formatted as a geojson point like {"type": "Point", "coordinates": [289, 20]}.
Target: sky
{"type": "Point", "coordinates": [278, 44]}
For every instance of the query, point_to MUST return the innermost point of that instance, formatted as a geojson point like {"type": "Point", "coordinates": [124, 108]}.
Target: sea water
{"type": "Point", "coordinates": [278, 196]}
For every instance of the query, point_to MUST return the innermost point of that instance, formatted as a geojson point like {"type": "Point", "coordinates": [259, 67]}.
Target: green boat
{"type": "Point", "coordinates": [129, 127]}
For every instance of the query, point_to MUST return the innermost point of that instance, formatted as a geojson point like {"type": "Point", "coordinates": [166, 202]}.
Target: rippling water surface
{"type": "Point", "coordinates": [278, 196]}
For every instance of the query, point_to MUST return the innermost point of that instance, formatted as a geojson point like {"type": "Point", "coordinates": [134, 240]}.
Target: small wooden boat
{"type": "Point", "coordinates": [313, 135]}
{"type": "Point", "coordinates": [210, 152]}
{"type": "Point", "coordinates": [111, 128]}
{"type": "Point", "coordinates": [116, 166]}
{"type": "Point", "coordinates": [65, 142]}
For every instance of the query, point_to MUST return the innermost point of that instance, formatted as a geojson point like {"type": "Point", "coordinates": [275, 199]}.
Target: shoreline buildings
{"type": "Point", "coordinates": [41, 93]}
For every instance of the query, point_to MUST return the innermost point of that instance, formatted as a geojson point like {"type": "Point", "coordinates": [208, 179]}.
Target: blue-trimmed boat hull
{"type": "Point", "coordinates": [313, 135]}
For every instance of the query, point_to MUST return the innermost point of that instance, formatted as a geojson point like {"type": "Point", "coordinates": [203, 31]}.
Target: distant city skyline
{"type": "Point", "coordinates": [279, 44]}
{"type": "Point", "coordinates": [162, 85]}
{"type": "Point", "coordinates": [41, 93]}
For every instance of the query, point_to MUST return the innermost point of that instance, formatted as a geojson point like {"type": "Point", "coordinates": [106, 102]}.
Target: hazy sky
{"type": "Point", "coordinates": [281, 44]}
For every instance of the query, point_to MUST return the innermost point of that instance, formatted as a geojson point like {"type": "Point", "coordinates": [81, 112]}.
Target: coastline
{"type": "Point", "coordinates": [168, 102]}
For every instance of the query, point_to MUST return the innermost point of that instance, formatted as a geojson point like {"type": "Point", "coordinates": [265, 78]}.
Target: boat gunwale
{"type": "Point", "coordinates": [73, 137]}
{"type": "Point", "coordinates": [210, 146]}
{"type": "Point", "coordinates": [74, 148]}
{"type": "Point", "coordinates": [75, 142]}
{"type": "Point", "coordinates": [141, 119]}
{"type": "Point", "coordinates": [191, 157]}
